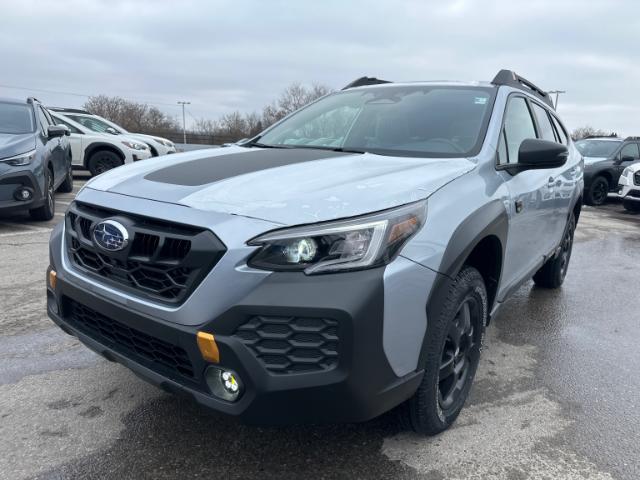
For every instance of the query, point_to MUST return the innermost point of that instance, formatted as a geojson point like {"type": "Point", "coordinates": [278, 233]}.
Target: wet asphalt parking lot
{"type": "Point", "coordinates": [557, 395]}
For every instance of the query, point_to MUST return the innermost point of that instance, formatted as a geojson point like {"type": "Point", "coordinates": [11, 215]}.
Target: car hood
{"type": "Point", "coordinates": [592, 160]}
{"type": "Point", "coordinates": [144, 137]}
{"type": "Point", "coordinates": [284, 186]}
{"type": "Point", "coordinates": [11, 144]}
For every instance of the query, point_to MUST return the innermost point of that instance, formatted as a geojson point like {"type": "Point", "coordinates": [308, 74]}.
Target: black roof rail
{"type": "Point", "coordinates": [363, 81]}
{"type": "Point", "coordinates": [512, 79]}
{"type": "Point", "coordinates": [631, 138]}
{"type": "Point", "coordinates": [68, 110]}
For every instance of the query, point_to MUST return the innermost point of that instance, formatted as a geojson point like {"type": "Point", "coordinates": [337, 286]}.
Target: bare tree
{"type": "Point", "coordinates": [589, 131]}
{"type": "Point", "coordinates": [295, 96]}
{"type": "Point", "coordinates": [133, 116]}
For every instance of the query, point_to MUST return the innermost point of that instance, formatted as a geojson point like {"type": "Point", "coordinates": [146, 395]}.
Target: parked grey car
{"type": "Point", "coordinates": [344, 262]}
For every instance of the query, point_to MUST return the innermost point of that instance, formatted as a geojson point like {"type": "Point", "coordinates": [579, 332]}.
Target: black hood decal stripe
{"type": "Point", "coordinates": [213, 169]}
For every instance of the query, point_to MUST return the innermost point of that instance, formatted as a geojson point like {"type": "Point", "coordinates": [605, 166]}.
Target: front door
{"type": "Point", "coordinates": [531, 199]}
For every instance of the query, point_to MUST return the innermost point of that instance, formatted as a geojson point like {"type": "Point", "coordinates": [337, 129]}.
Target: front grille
{"type": "Point", "coordinates": [634, 193]}
{"type": "Point", "coordinates": [163, 261]}
{"type": "Point", "coordinates": [292, 344]}
{"type": "Point", "coordinates": [636, 178]}
{"type": "Point", "coordinates": [134, 344]}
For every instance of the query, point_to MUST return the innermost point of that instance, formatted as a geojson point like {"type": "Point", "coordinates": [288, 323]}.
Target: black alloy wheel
{"type": "Point", "coordinates": [460, 355]}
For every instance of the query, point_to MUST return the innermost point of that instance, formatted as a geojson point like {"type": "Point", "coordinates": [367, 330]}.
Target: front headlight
{"type": "Point", "coordinates": [353, 244]}
{"type": "Point", "coordinates": [164, 142]}
{"type": "Point", "coordinates": [20, 160]}
{"type": "Point", "coordinates": [626, 172]}
{"type": "Point", "coordinates": [134, 145]}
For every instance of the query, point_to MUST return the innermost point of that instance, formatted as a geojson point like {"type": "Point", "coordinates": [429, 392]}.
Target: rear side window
{"type": "Point", "coordinates": [546, 129]}
{"type": "Point", "coordinates": [518, 126]}
{"type": "Point", "coordinates": [560, 130]}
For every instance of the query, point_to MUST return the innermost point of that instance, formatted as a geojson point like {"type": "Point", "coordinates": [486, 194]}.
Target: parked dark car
{"type": "Point", "coordinates": [35, 158]}
{"type": "Point", "coordinates": [605, 158]}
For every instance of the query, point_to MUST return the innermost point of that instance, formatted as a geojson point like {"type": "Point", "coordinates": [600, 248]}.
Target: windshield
{"type": "Point", "coordinates": [16, 118]}
{"type": "Point", "coordinates": [428, 121]}
{"type": "Point", "coordinates": [597, 148]}
{"type": "Point", "coordinates": [94, 124]}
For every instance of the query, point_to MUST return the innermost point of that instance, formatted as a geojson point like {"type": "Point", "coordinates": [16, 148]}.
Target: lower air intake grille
{"type": "Point", "coordinates": [292, 344]}
{"type": "Point", "coordinates": [145, 349]}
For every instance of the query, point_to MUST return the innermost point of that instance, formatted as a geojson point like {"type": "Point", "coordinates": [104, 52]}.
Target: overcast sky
{"type": "Point", "coordinates": [228, 55]}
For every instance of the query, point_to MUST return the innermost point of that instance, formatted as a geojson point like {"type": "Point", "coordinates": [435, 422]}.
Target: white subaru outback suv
{"type": "Point", "coordinates": [157, 145]}
{"type": "Point", "coordinates": [630, 187]}
{"type": "Point", "coordinates": [99, 152]}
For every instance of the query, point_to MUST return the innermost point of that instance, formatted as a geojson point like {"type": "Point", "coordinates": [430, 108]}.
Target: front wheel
{"type": "Point", "coordinates": [453, 355]}
{"type": "Point", "coordinates": [48, 209]}
{"type": "Point", "coordinates": [598, 191]}
{"type": "Point", "coordinates": [631, 206]}
{"type": "Point", "coordinates": [102, 161]}
{"type": "Point", "coordinates": [552, 273]}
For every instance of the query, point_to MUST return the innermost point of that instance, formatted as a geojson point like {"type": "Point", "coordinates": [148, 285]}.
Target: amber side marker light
{"type": "Point", "coordinates": [53, 279]}
{"type": "Point", "coordinates": [208, 347]}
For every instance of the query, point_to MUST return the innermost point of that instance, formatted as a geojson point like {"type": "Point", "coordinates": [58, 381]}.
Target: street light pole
{"type": "Point", "coordinates": [184, 128]}
{"type": "Point", "coordinates": [557, 92]}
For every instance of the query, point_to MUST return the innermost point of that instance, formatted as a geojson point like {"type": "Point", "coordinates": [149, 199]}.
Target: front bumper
{"type": "Point", "coordinates": [628, 190]}
{"type": "Point", "coordinates": [360, 386]}
{"type": "Point", "coordinates": [138, 155]}
{"type": "Point", "coordinates": [10, 182]}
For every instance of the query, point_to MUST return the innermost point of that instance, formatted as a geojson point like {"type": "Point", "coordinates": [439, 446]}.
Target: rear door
{"type": "Point", "coordinates": [531, 202]}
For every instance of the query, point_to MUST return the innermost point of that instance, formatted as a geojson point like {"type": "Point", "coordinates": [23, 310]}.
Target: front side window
{"type": "Point", "coordinates": [630, 150]}
{"type": "Point", "coordinates": [518, 126]}
{"type": "Point", "coordinates": [422, 121]}
{"type": "Point", "coordinates": [16, 118]}
{"type": "Point", "coordinates": [71, 128]}
{"type": "Point", "coordinates": [44, 121]}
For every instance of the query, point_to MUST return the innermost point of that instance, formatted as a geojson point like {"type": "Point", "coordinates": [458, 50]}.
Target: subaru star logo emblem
{"type": "Point", "coordinates": [111, 235]}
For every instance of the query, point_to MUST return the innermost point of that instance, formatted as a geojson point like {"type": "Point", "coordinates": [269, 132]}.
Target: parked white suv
{"type": "Point", "coordinates": [98, 152]}
{"type": "Point", "coordinates": [630, 187]}
{"type": "Point", "coordinates": [157, 145]}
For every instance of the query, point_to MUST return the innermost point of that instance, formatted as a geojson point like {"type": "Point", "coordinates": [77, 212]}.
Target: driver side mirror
{"type": "Point", "coordinates": [537, 154]}
{"type": "Point", "coordinates": [112, 131]}
{"type": "Point", "coordinates": [627, 158]}
{"type": "Point", "coordinates": [57, 131]}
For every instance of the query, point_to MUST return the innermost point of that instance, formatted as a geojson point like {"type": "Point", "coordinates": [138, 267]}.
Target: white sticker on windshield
{"type": "Point", "coordinates": [480, 100]}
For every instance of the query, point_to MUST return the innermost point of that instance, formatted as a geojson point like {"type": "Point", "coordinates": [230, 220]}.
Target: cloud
{"type": "Point", "coordinates": [223, 55]}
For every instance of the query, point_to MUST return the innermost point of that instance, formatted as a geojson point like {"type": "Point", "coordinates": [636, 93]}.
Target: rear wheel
{"type": "Point", "coordinates": [102, 161]}
{"type": "Point", "coordinates": [48, 209]}
{"type": "Point", "coordinates": [631, 206]}
{"type": "Point", "coordinates": [452, 358]}
{"type": "Point", "coordinates": [598, 191]}
{"type": "Point", "coordinates": [553, 272]}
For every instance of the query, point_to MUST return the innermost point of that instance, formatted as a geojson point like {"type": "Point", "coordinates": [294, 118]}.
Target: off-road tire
{"type": "Point", "coordinates": [554, 271]}
{"type": "Point", "coordinates": [598, 191]}
{"type": "Point", "coordinates": [424, 412]}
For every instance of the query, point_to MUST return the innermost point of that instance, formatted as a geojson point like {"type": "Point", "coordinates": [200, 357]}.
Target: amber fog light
{"type": "Point", "coordinates": [224, 384]}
